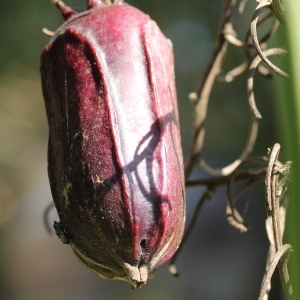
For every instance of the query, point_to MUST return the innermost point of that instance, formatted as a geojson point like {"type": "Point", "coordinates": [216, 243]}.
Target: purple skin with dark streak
{"type": "Point", "coordinates": [114, 157]}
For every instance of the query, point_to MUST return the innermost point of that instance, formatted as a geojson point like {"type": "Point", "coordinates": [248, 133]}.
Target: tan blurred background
{"type": "Point", "coordinates": [218, 262]}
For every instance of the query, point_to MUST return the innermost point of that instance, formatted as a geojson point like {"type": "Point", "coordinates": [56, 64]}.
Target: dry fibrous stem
{"type": "Point", "coordinates": [234, 173]}
{"type": "Point", "coordinates": [218, 181]}
{"type": "Point", "coordinates": [282, 253]}
{"type": "Point", "coordinates": [255, 41]}
{"type": "Point", "coordinates": [250, 81]}
{"type": "Point", "coordinates": [211, 73]}
{"type": "Point", "coordinates": [201, 102]}
{"type": "Point", "coordinates": [232, 74]}
{"type": "Point", "coordinates": [271, 203]}
{"type": "Point", "coordinates": [205, 88]}
{"type": "Point", "coordinates": [231, 37]}
{"type": "Point", "coordinates": [274, 170]}
{"type": "Point", "coordinates": [264, 71]}
{"type": "Point", "coordinates": [242, 6]}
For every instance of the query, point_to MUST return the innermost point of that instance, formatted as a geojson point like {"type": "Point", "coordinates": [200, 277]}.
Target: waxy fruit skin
{"type": "Point", "coordinates": [114, 157]}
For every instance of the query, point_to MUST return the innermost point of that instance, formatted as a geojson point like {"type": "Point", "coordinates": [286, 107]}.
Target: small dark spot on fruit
{"type": "Point", "coordinates": [143, 243]}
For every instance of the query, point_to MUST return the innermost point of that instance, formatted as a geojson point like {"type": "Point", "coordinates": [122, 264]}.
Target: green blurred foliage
{"type": "Point", "coordinates": [288, 102]}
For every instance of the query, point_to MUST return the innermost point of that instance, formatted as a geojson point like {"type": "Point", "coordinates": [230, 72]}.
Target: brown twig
{"type": "Point", "coordinates": [233, 173]}
{"type": "Point", "coordinates": [218, 181]}
{"type": "Point", "coordinates": [275, 169]}
{"type": "Point", "coordinates": [282, 253]}
{"type": "Point", "coordinates": [235, 72]}
{"type": "Point", "coordinates": [250, 82]}
{"type": "Point", "coordinates": [230, 36]}
{"type": "Point", "coordinates": [205, 88]}
{"type": "Point", "coordinates": [242, 6]}
{"type": "Point", "coordinates": [259, 8]}
{"type": "Point", "coordinates": [263, 17]}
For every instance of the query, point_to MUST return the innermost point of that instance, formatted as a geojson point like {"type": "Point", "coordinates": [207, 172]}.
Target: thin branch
{"type": "Point", "coordinates": [247, 45]}
{"type": "Point", "coordinates": [230, 34]}
{"type": "Point", "coordinates": [255, 41]}
{"type": "Point", "coordinates": [242, 6]}
{"type": "Point", "coordinates": [263, 17]}
{"type": "Point", "coordinates": [284, 250]}
{"type": "Point", "coordinates": [271, 203]}
{"type": "Point", "coordinates": [222, 180]}
{"type": "Point", "coordinates": [232, 74]}
{"type": "Point", "coordinates": [273, 209]}
{"type": "Point", "coordinates": [250, 82]}
{"type": "Point", "coordinates": [205, 88]}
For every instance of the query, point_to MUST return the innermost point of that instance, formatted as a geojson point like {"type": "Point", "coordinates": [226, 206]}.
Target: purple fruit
{"type": "Point", "coordinates": [114, 157]}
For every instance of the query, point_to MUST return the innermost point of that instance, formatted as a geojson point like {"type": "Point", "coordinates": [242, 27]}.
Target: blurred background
{"type": "Point", "coordinates": [218, 262]}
